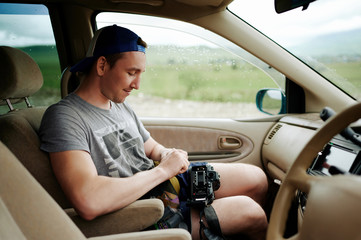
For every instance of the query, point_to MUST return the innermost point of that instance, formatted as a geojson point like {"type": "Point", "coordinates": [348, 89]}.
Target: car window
{"type": "Point", "coordinates": [188, 74]}
{"type": "Point", "coordinates": [28, 27]}
{"type": "Point", "coordinates": [326, 36]}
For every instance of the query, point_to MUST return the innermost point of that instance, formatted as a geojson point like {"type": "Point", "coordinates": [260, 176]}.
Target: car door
{"type": "Point", "coordinates": [223, 140]}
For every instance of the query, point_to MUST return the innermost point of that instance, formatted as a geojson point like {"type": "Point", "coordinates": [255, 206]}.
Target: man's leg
{"type": "Point", "coordinates": [241, 179]}
{"type": "Point", "coordinates": [236, 215]}
{"type": "Point", "coordinates": [243, 188]}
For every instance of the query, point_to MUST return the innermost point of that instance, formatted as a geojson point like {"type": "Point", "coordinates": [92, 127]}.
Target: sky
{"type": "Point", "coordinates": [293, 27]}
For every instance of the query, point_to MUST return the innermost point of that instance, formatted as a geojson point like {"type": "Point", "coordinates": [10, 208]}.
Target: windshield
{"type": "Point", "coordinates": [326, 36]}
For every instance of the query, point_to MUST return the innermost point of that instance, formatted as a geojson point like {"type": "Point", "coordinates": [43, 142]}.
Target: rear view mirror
{"type": "Point", "coordinates": [286, 5]}
{"type": "Point", "coordinates": [271, 101]}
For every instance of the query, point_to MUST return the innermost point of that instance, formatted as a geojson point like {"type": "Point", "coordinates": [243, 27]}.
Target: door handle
{"type": "Point", "coordinates": [229, 142]}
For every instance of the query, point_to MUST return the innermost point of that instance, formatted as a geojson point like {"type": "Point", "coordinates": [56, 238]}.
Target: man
{"type": "Point", "coordinates": [103, 156]}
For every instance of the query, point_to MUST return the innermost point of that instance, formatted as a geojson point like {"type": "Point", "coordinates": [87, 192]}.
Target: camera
{"type": "Point", "coordinates": [203, 182]}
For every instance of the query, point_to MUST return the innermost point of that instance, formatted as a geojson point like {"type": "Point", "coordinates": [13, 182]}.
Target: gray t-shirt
{"type": "Point", "coordinates": [114, 138]}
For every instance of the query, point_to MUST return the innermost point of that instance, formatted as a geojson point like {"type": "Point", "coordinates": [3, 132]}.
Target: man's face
{"type": "Point", "coordinates": [119, 81]}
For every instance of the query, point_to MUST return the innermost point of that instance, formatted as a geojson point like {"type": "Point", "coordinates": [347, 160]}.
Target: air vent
{"type": "Point", "coordinates": [272, 133]}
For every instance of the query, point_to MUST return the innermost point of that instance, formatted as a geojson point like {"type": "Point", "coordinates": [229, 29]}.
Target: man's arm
{"type": "Point", "coordinates": [94, 195]}
{"type": "Point", "coordinates": [157, 152]}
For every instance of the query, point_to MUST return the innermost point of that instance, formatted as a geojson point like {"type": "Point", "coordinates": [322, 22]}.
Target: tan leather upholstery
{"type": "Point", "coordinates": [69, 82]}
{"type": "Point", "coordinates": [19, 132]}
{"type": "Point", "coordinates": [32, 209]}
{"type": "Point", "coordinates": [8, 227]}
{"type": "Point", "coordinates": [28, 212]}
{"type": "Point", "coordinates": [18, 69]}
{"type": "Point", "coordinates": [134, 217]}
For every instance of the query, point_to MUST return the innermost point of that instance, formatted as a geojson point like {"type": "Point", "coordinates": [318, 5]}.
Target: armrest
{"type": "Point", "coordinates": [134, 217]}
{"type": "Point", "coordinates": [165, 234]}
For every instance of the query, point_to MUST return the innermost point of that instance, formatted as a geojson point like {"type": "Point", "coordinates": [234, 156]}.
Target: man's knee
{"type": "Point", "coordinates": [259, 175]}
{"type": "Point", "coordinates": [253, 217]}
{"type": "Point", "coordinates": [259, 183]}
{"type": "Point", "coordinates": [257, 215]}
{"type": "Point", "coordinates": [239, 214]}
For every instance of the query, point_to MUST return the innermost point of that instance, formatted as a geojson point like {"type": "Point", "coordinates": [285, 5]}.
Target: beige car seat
{"type": "Point", "coordinates": [28, 212]}
{"type": "Point", "coordinates": [20, 77]}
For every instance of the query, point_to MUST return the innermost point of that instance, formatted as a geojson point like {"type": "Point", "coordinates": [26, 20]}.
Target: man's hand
{"type": "Point", "coordinates": [174, 161]}
{"type": "Point", "coordinates": [165, 151]}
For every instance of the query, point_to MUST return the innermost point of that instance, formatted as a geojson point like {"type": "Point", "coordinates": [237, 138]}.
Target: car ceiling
{"type": "Point", "coordinates": [185, 10]}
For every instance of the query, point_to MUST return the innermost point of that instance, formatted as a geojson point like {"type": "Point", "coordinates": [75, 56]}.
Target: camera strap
{"type": "Point", "coordinates": [172, 218]}
{"type": "Point", "coordinates": [214, 231]}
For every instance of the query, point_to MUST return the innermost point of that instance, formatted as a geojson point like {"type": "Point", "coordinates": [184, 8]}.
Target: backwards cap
{"type": "Point", "coordinates": [106, 41]}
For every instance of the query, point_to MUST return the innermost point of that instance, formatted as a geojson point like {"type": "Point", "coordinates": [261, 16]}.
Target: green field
{"type": "Point", "coordinates": [203, 83]}
{"type": "Point", "coordinates": [210, 75]}
{"type": "Point", "coordinates": [352, 72]}
{"type": "Point", "coordinates": [201, 74]}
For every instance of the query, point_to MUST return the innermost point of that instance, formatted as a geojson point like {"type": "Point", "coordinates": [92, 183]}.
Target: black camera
{"type": "Point", "coordinates": [203, 182]}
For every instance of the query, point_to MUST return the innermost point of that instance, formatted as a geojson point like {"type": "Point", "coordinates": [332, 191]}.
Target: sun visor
{"type": "Point", "coordinates": [154, 3]}
{"type": "Point", "coordinates": [200, 3]}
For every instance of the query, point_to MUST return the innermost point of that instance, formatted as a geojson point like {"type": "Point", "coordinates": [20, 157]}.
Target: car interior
{"type": "Point", "coordinates": [309, 150]}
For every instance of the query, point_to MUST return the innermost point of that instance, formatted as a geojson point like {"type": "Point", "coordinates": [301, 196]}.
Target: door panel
{"type": "Point", "coordinates": [212, 140]}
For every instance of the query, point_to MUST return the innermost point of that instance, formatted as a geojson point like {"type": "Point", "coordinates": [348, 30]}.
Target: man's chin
{"type": "Point", "coordinates": [120, 100]}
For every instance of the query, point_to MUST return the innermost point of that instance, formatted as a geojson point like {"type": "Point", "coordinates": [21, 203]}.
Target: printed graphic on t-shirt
{"type": "Point", "coordinates": [123, 153]}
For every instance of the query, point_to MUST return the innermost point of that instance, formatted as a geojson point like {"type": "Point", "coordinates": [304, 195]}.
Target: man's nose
{"type": "Point", "coordinates": [136, 83]}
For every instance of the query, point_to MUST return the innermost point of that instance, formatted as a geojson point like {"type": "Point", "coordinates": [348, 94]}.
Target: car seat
{"type": "Point", "coordinates": [28, 212]}
{"type": "Point", "coordinates": [20, 77]}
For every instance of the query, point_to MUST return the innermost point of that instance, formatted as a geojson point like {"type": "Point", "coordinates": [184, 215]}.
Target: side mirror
{"type": "Point", "coordinates": [271, 101]}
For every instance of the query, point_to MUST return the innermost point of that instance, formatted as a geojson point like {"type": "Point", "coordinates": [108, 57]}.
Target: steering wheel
{"type": "Point", "coordinates": [333, 209]}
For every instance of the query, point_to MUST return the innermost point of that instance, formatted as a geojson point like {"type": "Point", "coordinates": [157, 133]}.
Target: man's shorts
{"type": "Point", "coordinates": [183, 194]}
{"type": "Point", "coordinates": [183, 180]}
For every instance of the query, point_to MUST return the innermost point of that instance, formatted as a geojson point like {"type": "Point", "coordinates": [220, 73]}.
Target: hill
{"type": "Point", "coordinates": [336, 44]}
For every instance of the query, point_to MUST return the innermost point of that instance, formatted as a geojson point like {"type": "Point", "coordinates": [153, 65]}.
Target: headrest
{"type": "Point", "coordinates": [20, 75]}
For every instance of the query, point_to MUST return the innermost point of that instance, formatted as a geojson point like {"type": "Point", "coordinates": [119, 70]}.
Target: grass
{"type": "Point", "coordinates": [204, 83]}
{"type": "Point", "coordinates": [193, 73]}
{"type": "Point", "coordinates": [350, 71]}
{"type": "Point", "coordinates": [201, 74]}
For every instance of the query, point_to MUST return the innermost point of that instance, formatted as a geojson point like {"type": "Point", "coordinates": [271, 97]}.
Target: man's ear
{"type": "Point", "coordinates": [100, 66]}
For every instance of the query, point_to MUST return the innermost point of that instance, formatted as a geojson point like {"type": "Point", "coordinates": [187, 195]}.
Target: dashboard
{"type": "Point", "coordinates": [291, 134]}
{"type": "Point", "coordinates": [288, 137]}
{"type": "Point", "coordinates": [338, 157]}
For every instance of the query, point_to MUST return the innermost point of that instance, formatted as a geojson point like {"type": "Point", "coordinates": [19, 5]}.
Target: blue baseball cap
{"type": "Point", "coordinates": [109, 40]}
